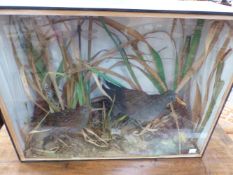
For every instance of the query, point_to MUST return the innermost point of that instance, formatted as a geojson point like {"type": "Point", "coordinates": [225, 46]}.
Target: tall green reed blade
{"type": "Point", "coordinates": [195, 40]}
{"type": "Point", "coordinates": [218, 85]}
{"type": "Point", "coordinates": [83, 85]}
{"type": "Point", "coordinates": [36, 57]}
{"type": "Point", "coordinates": [154, 81]}
{"type": "Point", "coordinates": [78, 94]}
{"type": "Point", "coordinates": [60, 69]}
{"type": "Point", "coordinates": [32, 53]}
{"type": "Point", "coordinates": [122, 52]}
{"type": "Point", "coordinates": [37, 68]}
{"type": "Point", "coordinates": [81, 93]}
{"type": "Point", "coordinates": [180, 60]}
{"type": "Point", "coordinates": [158, 63]}
{"type": "Point", "coordinates": [156, 84]}
{"type": "Point", "coordinates": [176, 73]}
{"type": "Point", "coordinates": [105, 77]}
{"type": "Point", "coordinates": [210, 41]}
{"type": "Point", "coordinates": [75, 98]}
{"type": "Point", "coordinates": [89, 55]}
{"type": "Point", "coordinates": [40, 67]}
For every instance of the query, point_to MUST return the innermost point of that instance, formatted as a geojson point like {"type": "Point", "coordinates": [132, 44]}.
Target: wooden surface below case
{"type": "Point", "coordinates": [217, 160]}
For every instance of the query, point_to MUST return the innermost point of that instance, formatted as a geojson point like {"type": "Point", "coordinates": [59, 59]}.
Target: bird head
{"type": "Point", "coordinates": [170, 96]}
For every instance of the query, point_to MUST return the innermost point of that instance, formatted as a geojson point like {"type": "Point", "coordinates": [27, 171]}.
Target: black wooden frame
{"type": "Point", "coordinates": [1, 120]}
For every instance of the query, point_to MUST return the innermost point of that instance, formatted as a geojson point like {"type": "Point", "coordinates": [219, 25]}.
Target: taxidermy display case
{"type": "Point", "coordinates": [113, 80]}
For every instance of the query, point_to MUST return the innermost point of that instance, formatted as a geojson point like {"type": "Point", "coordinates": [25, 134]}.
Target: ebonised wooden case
{"type": "Point", "coordinates": [112, 80]}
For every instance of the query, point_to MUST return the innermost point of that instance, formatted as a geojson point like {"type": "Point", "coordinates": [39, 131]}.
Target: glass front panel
{"type": "Point", "coordinates": [113, 87]}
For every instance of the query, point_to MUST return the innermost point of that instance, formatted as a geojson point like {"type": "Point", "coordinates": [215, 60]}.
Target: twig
{"type": "Point", "coordinates": [97, 141]}
{"type": "Point", "coordinates": [174, 115]}
{"type": "Point", "coordinates": [153, 126]}
{"type": "Point", "coordinates": [38, 125]}
{"type": "Point", "coordinates": [89, 38]}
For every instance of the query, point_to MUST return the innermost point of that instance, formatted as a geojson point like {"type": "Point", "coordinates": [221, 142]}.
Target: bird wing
{"type": "Point", "coordinates": [135, 96]}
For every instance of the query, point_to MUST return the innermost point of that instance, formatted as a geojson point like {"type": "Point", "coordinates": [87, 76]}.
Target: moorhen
{"type": "Point", "coordinates": [138, 105]}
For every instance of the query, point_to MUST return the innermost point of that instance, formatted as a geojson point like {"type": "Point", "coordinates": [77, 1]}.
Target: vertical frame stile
{"type": "Point", "coordinates": [10, 129]}
{"type": "Point", "coordinates": [1, 120]}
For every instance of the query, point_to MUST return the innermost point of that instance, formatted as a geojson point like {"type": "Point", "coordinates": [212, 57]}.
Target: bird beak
{"type": "Point", "coordinates": [180, 101]}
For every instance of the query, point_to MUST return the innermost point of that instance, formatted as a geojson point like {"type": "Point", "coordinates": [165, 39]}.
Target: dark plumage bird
{"type": "Point", "coordinates": [137, 104]}
{"type": "Point", "coordinates": [68, 119]}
